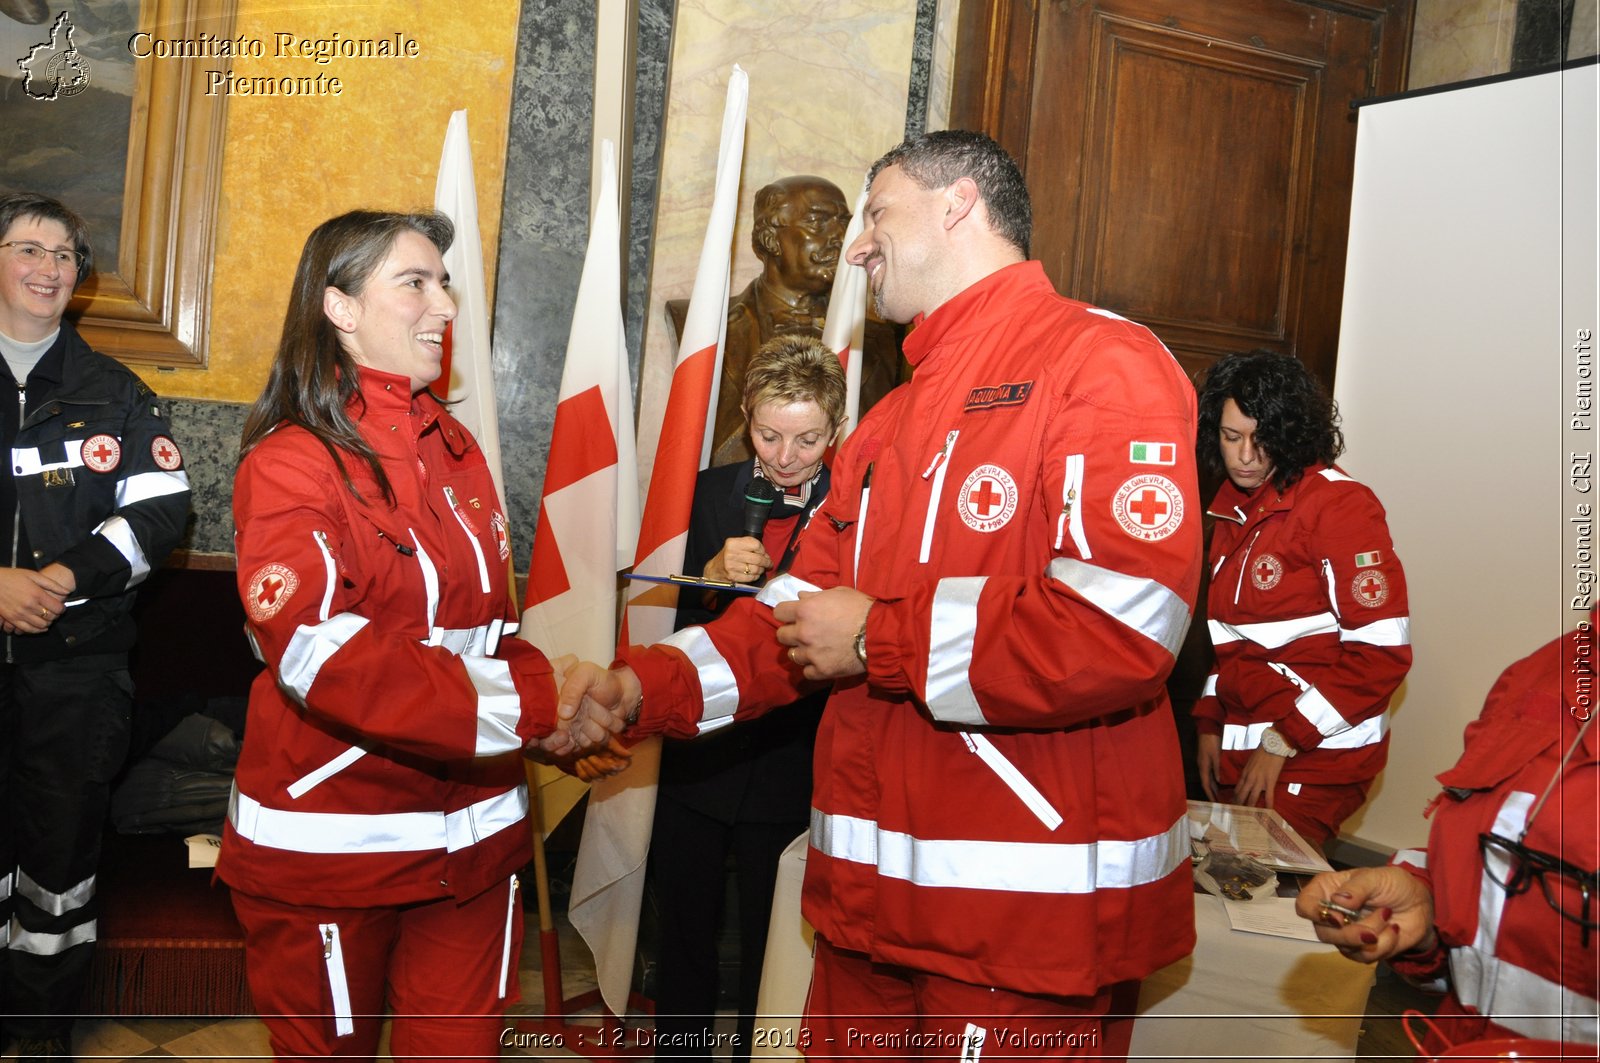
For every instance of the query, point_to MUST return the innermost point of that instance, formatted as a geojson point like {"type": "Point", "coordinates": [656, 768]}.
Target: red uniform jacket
{"type": "Point", "coordinates": [1513, 958]}
{"type": "Point", "coordinates": [1000, 800]}
{"type": "Point", "coordinates": [1309, 620]}
{"type": "Point", "coordinates": [381, 760]}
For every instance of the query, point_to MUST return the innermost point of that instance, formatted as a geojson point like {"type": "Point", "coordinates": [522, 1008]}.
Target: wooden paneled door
{"type": "Point", "coordinates": [1189, 160]}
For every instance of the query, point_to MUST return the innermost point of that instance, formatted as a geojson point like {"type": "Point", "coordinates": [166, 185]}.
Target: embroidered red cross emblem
{"type": "Point", "coordinates": [165, 453]}
{"type": "Point", "coordinates": [271, 587]}
{"type": "Point", "coordinates": [1150, 507]}
{"type": "Point", "coordinates": [1370, 588]}
{"type": "Point", "coordinates": [985, 499]}
{"type": "Point", "coordinates": [1263, 572]}
{"type": "Point", "coordinates": [103, 453]}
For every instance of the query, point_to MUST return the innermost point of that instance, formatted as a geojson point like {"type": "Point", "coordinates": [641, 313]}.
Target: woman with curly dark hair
{"type": "Point", "coordinates": [1307, 607]}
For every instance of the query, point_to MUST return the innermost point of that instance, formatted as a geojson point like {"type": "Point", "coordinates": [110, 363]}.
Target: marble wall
{"type": "Point", "coordinates": [1454, 40]}
{"type": "Point", "coordinates": [1457, 40]}
{"type": "Point", "coordinates": [829, 90]}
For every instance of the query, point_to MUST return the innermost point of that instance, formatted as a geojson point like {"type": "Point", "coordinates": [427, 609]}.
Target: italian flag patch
{"type": "Point", "coordinates": [1140, 453]}
{"type": "Point", "coordinates": [1368, 560]}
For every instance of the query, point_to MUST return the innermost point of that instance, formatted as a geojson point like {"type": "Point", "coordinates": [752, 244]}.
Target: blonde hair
{"type": "Point", "coordinates": [795, 368]}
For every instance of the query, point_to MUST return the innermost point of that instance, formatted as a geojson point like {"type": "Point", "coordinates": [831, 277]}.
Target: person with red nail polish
{"type": "Point", "coordinates": [1499, 913]}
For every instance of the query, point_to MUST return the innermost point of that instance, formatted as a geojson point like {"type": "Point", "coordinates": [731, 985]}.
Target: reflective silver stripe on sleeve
{"type": "Point", "coordinates": [1015, 867]}
{"type": "Point", "coordinates": [55, 903]}
{"type": "Point", "coordinates": [5, 886]}
{"type": "Point", "coordinates": [1365, 733]}
{"type": "Point", "coordinates": [719, 689]}
{"type": "Point", "coordinates": [1318, 711]}
{"type": "Point", "coordinates": [309, 649]}
{"type": "Point", "coordinates": [37, 944]}
{"type": "Point", "coordinates": [499, 705]}
{"type": "Point", "coordinates": [390, 832]}
{"type": "Point", "coordinates": [1393, 632]}
{"type": "Point", "coordinates": [1144, 605]}
{"type": "Point", "coordinates": [143, 486]}
{"type": "Point", "coordinates": [119, 533]}
{"type": "Point", "coordinates": [785, 588]}
{"type": "Point", "coordinates": [1274, 634]}
{"type": "Point", "coordinates": [1243, 736]}
{"type": "Point", "coordinates": [952, 630]}
{"type": "Point", "coordinates": [479, 641]}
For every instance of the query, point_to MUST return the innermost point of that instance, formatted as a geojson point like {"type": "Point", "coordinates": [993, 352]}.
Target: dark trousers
{"type": "Point", "coordinates": [689, 853]}
{"type": "Point", "coordinates": [64, 728]}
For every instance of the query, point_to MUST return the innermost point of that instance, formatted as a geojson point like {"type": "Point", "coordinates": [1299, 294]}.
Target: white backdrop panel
{"type": "Point", "coordinates": [1471, 269]}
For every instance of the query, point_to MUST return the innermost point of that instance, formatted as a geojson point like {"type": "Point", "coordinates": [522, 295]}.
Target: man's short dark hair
{"type": "Point", "coordinates": [15, 206]}
{"type": "Point", "coordinates": [937, 159]}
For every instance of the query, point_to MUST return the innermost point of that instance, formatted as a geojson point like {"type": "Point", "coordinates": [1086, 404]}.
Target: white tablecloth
{"type": "Point", "coordinates": [1238, 997]}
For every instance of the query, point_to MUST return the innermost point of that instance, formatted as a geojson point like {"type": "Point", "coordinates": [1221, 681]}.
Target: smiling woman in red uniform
{"type": "Point", "coordinates": [1307, 607]}
{"type": "Point", "coordinates": [379, 813]}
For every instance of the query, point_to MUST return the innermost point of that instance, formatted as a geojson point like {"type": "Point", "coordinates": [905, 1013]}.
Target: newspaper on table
{"type": "Point", "coordinates": [1258, 833]}
{"type": "Point", "coordinates": [1233, 846]}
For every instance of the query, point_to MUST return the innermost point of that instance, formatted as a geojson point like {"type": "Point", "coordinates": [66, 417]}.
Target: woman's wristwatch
{"type": "Point", "coordinates": [1276, 744]}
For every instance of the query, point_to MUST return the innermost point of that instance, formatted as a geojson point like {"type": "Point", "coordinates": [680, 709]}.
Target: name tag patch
{"type": "Point", "coordinates": [982, 398]}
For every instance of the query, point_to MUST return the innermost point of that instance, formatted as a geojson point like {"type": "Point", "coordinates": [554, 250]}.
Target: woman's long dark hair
{"type": "Point", "coordinates": [313, 377]}
{"type": "Point", "coordinates": [1297, 424]}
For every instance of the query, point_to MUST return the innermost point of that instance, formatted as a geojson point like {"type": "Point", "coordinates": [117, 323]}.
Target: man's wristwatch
{"type": "Point", "coordinates": [861, 643]}
{"type": "Point", "coordinates": [1276, 744]}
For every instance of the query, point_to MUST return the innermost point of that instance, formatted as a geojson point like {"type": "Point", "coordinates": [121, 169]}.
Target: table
{"type": "Point", "coordinates": [1237, 997]}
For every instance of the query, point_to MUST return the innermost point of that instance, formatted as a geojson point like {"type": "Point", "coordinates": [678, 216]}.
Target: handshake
{"type": "Point", "coordinates": [593, 705]}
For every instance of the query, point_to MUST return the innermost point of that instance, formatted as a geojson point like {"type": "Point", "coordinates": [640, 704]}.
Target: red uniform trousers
{"type": "Point", "coordinates": [446, 970]}
{"type": "Point", "coordinates": [858, 1008]}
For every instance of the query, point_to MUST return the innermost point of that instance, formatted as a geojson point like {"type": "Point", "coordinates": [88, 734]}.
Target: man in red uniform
{"type": "Point", "coordinates": [1010, 554]}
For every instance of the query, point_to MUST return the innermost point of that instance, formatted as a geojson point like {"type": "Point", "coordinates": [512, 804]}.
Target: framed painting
{"type": "Point", "coordinates": [140, 156]}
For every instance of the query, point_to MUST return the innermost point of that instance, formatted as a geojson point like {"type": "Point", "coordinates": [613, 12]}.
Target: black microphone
{"type": "Point", "coordinates": [758, 500]}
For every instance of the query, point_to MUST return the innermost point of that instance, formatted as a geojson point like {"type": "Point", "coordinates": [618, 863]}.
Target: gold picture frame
{"type": "Point", "coordinates": [153, 306]}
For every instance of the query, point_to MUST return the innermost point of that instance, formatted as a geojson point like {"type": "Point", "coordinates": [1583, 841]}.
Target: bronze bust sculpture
{"type": "Point", "coordinates": [798, 234]}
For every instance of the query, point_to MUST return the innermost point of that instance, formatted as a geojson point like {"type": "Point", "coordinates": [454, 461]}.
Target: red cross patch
{"type": "Point", "coordinates": [1370, 588]}
{"type": "Point", "coordinates": [166, 453]}
{"type": "Point", "coordinates": [1265, 572]}
{"type": "Point", "coordinates": [988, 499]}
{"type": "Point", "coordinates": [502, 538]}
{"type": "Point", "coordinates": [1148, 506]}
{"type": "Point", "coordinates": [270, 590]}
{"type": "Point", "coordinates": [102, 453]}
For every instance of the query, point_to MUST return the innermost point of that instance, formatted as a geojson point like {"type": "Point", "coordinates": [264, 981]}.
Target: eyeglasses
{"type": "Point", "coordinates": [35, 255]}
{"type": "Point", "coordinates": [1515, 867]}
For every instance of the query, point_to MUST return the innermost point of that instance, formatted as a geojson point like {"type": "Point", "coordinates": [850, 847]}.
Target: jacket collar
{"type": "Point", "coordinates": [1241, 508]}
{"type": "Point", "coordinates": [388, 395]}
{"type": "Point", "coordinates": [973, 309]}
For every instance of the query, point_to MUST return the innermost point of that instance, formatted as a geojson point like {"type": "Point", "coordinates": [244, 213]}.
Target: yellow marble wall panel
{"type": "Point", "coordinates": [828, 87]}
{"type": "Point", "coordinates": [1454, 40]}
{"type": "Point", "coordinates": [291, 162]}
